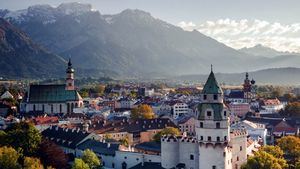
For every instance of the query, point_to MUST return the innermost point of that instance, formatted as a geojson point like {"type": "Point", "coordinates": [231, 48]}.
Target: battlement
{"type": "Point", "coordinates": [238, 133]}
{"type": "Point", "coordinates": [169, 138]}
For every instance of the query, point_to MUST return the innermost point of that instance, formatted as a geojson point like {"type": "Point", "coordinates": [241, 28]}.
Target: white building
{"type": "Point", "coordinates": [7, 95]}
{"type": "Point", "coordinates": [270, 106]}
{"type": "Point", "coordinates": [179, 109]}
{"type": "Point", "coordinates": [257, 131]}
{"type": "Point", "coordinates": [215, 145]}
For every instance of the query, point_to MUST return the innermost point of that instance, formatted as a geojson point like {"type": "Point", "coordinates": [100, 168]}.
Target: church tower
{"type": "Point", "coordinates": [212, 127]}
{"type": "Point", "coordinates": [247, 89]}
{"type": "Point", "coordinates": [70, 77]}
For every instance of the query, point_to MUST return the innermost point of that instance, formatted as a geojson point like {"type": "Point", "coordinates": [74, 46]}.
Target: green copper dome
{"type": "Point", "coordinates": [211, 86]}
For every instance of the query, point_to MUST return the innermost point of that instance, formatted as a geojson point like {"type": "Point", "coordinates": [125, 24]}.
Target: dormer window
{"type": "Point", "coordinates": [204, 97]}
{"type": "Point", "coordinates": [215, 97]}
{"type": "Point", "coordinates": [208, 113]}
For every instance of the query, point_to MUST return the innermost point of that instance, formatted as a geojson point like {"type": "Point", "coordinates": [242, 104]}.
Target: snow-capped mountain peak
{"type": "Point", "coordinates": [48, 14]}
{"type": "Point", "coordinates": [74, 8]}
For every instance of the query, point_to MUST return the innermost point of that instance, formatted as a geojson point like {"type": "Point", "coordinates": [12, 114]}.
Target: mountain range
{"type": "Point", "coordinates": [261, 50]}
{"type": "Point", "coordinates": [273, 76]}
{"type": "Point", "coordinates": [20, 57]}
{"type": "Point", "coordinates": [132, 43]}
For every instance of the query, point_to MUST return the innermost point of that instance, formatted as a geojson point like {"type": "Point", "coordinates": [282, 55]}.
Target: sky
{"type": "Point", "coordinates": [237, 23]}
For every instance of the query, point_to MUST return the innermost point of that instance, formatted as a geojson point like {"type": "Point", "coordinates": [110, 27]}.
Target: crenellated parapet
{"type": "Point", "coordinates": [235, 133]}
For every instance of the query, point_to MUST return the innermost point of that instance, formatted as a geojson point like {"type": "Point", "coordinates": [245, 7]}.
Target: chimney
{"type": "Point", "coordinates": [86, 127]}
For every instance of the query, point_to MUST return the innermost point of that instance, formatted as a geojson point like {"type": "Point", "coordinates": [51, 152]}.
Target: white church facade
{"type": "Point", "coordinates": [53, 99]}
{"type": "Point", "coordinates": [215, 145]}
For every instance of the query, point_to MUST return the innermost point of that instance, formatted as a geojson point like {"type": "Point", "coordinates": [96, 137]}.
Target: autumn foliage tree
{"type": "Point", "coordinates": [23, 136]}
{"type": "Point", "coordinates": [291, 147]}
{"type": "Point", "coordinates": [143, 111]}
{"type": "Point", "coordinates": [52, 155]}
{"type": "Point", "coordinates": [32, 163]}
{"type": "Point", "coordinates": [292, 110]}
{"type": "Point", "coordinates": [9, 158]}
{"type": "Point", "coordinates": [263, 160]}
{"type": "Point", "coordinates": [166, 131]}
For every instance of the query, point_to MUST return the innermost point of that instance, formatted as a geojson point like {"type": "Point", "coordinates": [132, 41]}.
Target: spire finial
{"type": "Point", "coordinates": [69, 62]}
{"type": "Point", "coordinates": [211, 67]}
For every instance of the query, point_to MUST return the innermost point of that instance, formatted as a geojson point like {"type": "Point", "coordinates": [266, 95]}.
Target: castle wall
{"type": "Point", "coordinates": [189, 153]}
{"type": "Point", "coordinates": [214, 157]}
{"type": "Point", "coordinates": [239, 151]}
{"type": "Point", "coordinates": [169, 152]}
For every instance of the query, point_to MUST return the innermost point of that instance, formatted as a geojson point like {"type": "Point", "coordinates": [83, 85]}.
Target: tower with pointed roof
{"type": "Point", "coordinates": [70, 76]}
{"type": "Point", "coordinates": [212, 127]}
{"type": "Point", "coordinates": [215, 145]}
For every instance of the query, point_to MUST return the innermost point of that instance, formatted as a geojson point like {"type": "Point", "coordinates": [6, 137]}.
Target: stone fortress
{"type": "Point", "coordinates": [216, 145]}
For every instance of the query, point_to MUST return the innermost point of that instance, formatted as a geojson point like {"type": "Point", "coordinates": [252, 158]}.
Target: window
{"type": "Point", "coordinates": [209, 138]}
{"type": "Point", "coordinates": [241, 148]}
{"type": "Point", "coordinates": [225, 138]}
{"type": "Point", "coordinates": [237, 158]}
{"type": "Point", "coordinates": [201, 137]}
{"type": "Point", "coordinates": [201, 124]}
{"type": "Point", "coordinates": [215, 97]}
{"type": "Point", "coordinates": [217, 125]}
{"type": "Point", "coordinates": [191, 157]}
{"type": "Point", "coordinates": [208, 113]}
{"type": "Point", "coordinates": [214, 167]}
{"type": "Point", "coordinates": [218, 138]}
{"type": "Point", "coordinates": [225, 113]}
{"type": "Point", "coordinates": [204, 97]}
{"type": "Point", "coordinates": [113, 165]}
{"type": "Point", "coordinates": [60, 108]}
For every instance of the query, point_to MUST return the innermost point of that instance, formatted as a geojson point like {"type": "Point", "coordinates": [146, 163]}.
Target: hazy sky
{"type": "Point", "coordinates": [237, 23]}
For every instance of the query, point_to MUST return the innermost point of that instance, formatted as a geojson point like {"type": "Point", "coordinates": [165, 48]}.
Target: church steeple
{"type": "Point", "coordinates": [70, 76]}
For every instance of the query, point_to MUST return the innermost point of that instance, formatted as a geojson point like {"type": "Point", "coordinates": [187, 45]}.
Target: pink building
{"type": "Point", "coordinates": [239, 109]}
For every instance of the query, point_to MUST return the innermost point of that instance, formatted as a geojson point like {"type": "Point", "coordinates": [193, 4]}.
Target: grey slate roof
{"type": "Point", "coordinates": [149, 146]}
{"type": "Point", "coordinates": [51, 94]}
{"type": "Point", "coordinates": [236, 94]}
{"type": "Point", "coordinates": [147, 165]}
{"type": "Point", "coordinates": [99, 147]}
{"type": "Point", "coordinates": [65, 137]}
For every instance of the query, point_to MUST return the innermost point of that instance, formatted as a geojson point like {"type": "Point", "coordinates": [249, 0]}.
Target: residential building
{"type": "Point", "coordinates": [271, 106]}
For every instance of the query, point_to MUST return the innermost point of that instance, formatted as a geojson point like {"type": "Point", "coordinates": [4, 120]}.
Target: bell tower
{"type": "Point", "coordinates": [70, 76]}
